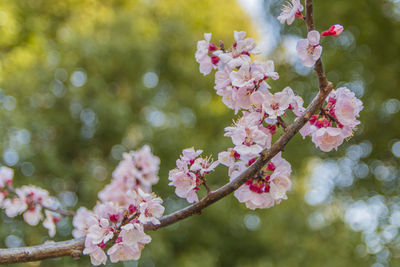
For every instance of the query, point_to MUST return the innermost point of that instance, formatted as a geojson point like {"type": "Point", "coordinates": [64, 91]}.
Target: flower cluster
{"type": "Point", "coordinates": [115, 227]}
{"type": "Point", "coordinates": [190, 174]}
{"type": "Point", "coordinates": [269, 187]}
{"type": "Point", "coordinates": [30, 201]}
{"type": "Point", "coordinates": [137, 169]}
{"type": "Point", "coordinates": [336, 121]}
{"type": "Point", "coordinates": [242, 84]}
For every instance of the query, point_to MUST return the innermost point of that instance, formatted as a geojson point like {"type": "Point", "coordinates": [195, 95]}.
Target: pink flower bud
{"type": "Point", "coordinates": [114, 217]}
{"type": "Point", "coordinates": [212, 47]}
{"type": "Point", "coordinates": [334, 30]}
{"type": "Point", "coordinates": [214, 60]}
{"type": "Point", "coordinates": [270, 166]}
{"type": "Point", "coordinates": [251, 161]}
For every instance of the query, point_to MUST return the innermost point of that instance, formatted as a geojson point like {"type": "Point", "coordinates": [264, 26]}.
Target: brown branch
{"type": "Point", "coordinates": [48, 250]}
{"type": "Point", "coordinates": [282, 123]}
{"type": "Point", "coordinates": [75, 247]}
{"type": "Point", "coordinates": [206, 186]}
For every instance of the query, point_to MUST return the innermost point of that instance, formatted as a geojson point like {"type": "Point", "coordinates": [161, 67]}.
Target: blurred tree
{"type": "Point", "coordinates": [83, 81]}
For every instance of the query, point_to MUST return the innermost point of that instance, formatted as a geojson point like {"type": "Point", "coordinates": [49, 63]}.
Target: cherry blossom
{"type": "Point", "coordinates": [202, 54]}
{"type": "Point", "coordinates": [309, 50]}
{"type": "Point", "coordinates": [50, 222]}
{"type": "Point", "coordinates": [347, 107]}
{"type": "Point", "coordinates": [328, 138]}
{"type": "Point", "coordinates": [137, 169]}
{"type": "Point", "coordinates": [150, 208]}
{"type": "Point", "coordinates": [121, 252]}
{"type": "Point", "coordinates": [132, 234]}
{"type": "Point", "coordinates": [249, 140]}
{"type": "Point", "coordinates": [14, 206]}
{"type": "Point", "coordinates": [96, 252]}
{"type": "Point", "coordinates": [189, 174]}
{"type": "Point", "coordinates": [6, 176]}
{"type": "Point", "coordinates": [185, 184]}
{"type": "Point", "coordinates": [337, 121]}
{"type": "Point", "coordinates": [83, 219]}
{"type": "Point", "coordinates": [290, 11]}
{"type": "Point", "coordinates": [269, 188]}
{"type": "Point", "coordinates": [274, 104]}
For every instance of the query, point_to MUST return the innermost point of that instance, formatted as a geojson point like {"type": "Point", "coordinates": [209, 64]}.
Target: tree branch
{"type": "Point", "coordinates": [74, 247]}
{"type": "Point", "coordinates": [282, 123]}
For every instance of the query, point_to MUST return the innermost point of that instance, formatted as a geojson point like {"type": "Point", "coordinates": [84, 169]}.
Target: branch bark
{"type": "Point", "coordinates": [74, 247]}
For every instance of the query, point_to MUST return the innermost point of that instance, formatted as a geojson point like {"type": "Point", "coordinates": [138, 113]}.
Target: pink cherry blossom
{"type": "Point", "coordinates": [141, 167]}
{"type": "Point", "coordinates": [189, 173]}
{"type": "Point", "coordinates": [347, 107]}
{"type": "Point", "coordinates": [296, 104]}
{"type": "Point", "coordinates": [203, 166]}
{"type": "Point", "coordinates": [253, 200]}
{"type": "Point", "coordinates": [245, 45]}
{"type": "Point", "coordinates": [121, 252]}
{"type": "Point", "coordinates": [14, 206]}
{"type": "Point", "coordinates": [132, 234]}
{"type": "Point", "coordinates": [185, 184]}
{"type": "Point", "coordinates": [96, 253]}
{"type": "Point", "coordinates": [138, 169]}
{"type": "Point", "coordinates": [280, 164]}
{"type": "Point", "coordinates": [150, 208]}
{"type": "Point", "coordinates": [202, 56]}
{"type": "Point", "coordinates": [328, 138]}
{"type": "Point", "coordinates": [229, 157]}
{"type": "Point", "coordinates": [308, 129]}
{"type": "Point", "coordinates": [50, 222]}
{"type": "Point", "coordinates": [190, 154]}
{"type": "Point", "coordinates": [6, 176]}
{"type": "Point", "coordinates": [273, 104]}
{"type": "Point", "coordinates": [33, 215]}
{"type": "Point", "coordinates": [83, 219]}
{"type": "Point", "coordinates": [243, 77]}
{"type": "Point", "coordinates": [100, 232]}
{"type": "Point", "coordinates": [280, 183]}
{"type": "Point", "coordinates": [264, 70]}
{"type": "Point", "coordinates": [334, 30]}
{"type": "Point", "coordinates": [249, 140]}
{"type": "Point", "coordinates": [222, 79]}
{"type": "Point", "coordinates": [231, 60]}
{"type": "Point", "coordinates": [290, 11]}
{"type": "Point", "coordinates": [309, 50]}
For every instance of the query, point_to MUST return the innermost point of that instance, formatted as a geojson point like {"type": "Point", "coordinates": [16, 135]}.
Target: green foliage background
{"type": "Point", "coordinates": [72, 100]}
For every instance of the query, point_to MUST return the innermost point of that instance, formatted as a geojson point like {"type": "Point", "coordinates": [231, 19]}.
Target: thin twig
{"type": "Point", "coordinates": [206, 186]}
{"type": "Point", "coordinates": [282, 123]}
{"type": "Point", "coordinates": [326, 113]}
